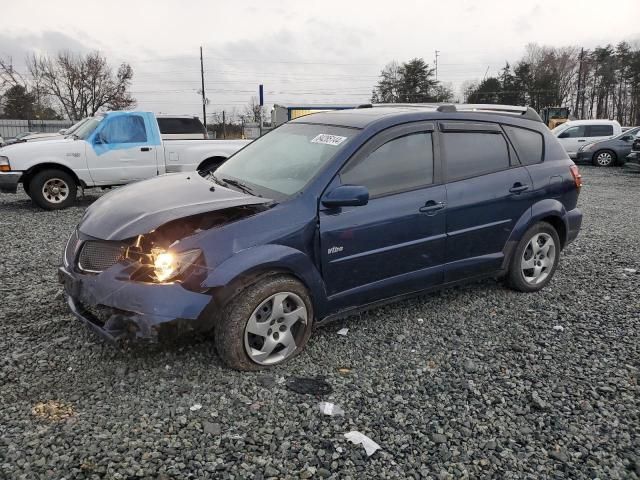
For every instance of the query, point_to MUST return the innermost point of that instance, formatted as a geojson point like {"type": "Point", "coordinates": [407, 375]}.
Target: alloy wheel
{"type": "Point", "coordinates": [55, 190]}
{"type": "Point", "coordinates": [604, 159]}
{"type": "Point", "coordinates": [275, 328]}
{"type": "Point", "coordinates": [538, 258]}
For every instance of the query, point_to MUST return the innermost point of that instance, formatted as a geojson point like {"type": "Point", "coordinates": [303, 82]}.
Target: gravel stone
{"type": "Point", "coordinates": [538, 404]}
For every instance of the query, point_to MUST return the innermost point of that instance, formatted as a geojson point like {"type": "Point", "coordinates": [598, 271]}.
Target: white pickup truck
{"type": "Point", "coordinates": [113, 148]}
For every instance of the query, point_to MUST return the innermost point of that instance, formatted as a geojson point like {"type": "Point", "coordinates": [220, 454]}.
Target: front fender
{"type": "Point", "coordinates": [244, 268]}
{"type": "Point", "coordinates": [546, 208]}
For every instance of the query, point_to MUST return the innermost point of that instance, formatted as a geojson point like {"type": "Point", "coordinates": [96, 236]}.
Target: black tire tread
{"type": "Point", "coordinates": [514, 277]}
{"type": "Point", "coordinates": [39, 179]}
{"type": "Point", "coordinates": [230, 324]}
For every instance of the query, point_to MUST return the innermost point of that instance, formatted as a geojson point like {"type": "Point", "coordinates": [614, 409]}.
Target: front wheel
{"type": "Point", "coordinates": [53, 189]}
{"type": "Point", "coordinates": [535, 258]}
{"type": "Point", "coordinates": [266, 324]}
{"type": "Point", "coordinates": [604, 158]}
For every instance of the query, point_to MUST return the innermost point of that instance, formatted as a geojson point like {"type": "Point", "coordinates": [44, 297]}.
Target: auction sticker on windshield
{"type": "Point", "coordinates": [327, 139]}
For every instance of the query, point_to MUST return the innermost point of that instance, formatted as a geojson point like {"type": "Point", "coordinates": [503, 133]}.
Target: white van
{"type": "Point", "coordinates": [575, 133]}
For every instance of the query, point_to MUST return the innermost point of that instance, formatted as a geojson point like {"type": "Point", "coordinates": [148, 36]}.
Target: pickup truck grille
{"type": "Point", "coordinates": [97, 256]}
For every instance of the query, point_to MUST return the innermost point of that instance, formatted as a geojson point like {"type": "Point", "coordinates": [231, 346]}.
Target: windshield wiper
{"type": "Point", "coordinates": [229, 181]}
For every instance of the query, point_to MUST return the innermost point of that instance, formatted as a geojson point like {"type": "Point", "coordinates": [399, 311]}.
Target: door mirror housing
{"type": "Point", "coordinates": [99, 139]}
{"type": "Point", "coordinates": [627, 138]}
{"type": "Point", "coordinates": [563, 135]}
{"type": "Point", "coordinates": [346, 196]}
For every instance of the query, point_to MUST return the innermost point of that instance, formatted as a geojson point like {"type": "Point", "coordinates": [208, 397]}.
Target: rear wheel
{"type": "Point", "coordinates": [53, 189]}
{"type": "Point", "coordinates": [604, 158]}
{"type": "Point", "coordinates": [266, 324]}
{"type": "Point", "coordinates": [535, 259]}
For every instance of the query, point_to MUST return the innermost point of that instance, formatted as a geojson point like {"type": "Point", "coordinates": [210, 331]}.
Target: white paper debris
{"type": "Point", "coordinates": [559, 328]}
{"type": "Point", "coordinates": [326, 139]}
{"type": "Point", "coordinates": [343, 332]}
{"type": "Point", "coordinates": [629, 270]}
{"type": "Point", "coordinates": [369, 445]}
{"type": "Point", "coordinates": [330, 409]}
{"type": "Point", "coordinates": [195, 407]}
{"type": "Point", "coordinates": [421, 320]}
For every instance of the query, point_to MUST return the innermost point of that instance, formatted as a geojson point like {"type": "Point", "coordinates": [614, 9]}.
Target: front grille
{"type": "Point", "coordinates": [98, 256]}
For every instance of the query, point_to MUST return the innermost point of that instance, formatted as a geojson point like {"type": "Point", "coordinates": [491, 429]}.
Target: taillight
{"type": "Point", "coordinates": [577, 178]}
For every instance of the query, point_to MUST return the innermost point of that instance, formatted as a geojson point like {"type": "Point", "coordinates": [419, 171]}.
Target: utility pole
{"type": "Point", "coordinates": [580, 94]}
{"type": "Point", "coordinates": [436, 62]}
{"type": "Point", "coordinates": [204, 98]}
{"type": "Point", "coordinates": [224, 127]}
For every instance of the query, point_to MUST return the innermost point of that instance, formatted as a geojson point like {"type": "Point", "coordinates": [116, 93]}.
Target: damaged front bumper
{"type": "Point", "coordinates": [9, 181]}
{"type": "Point", "coordinates": [122, 309]}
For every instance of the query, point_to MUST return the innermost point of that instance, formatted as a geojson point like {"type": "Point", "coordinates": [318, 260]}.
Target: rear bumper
{"type": "Point", "coordinates": [574, 222]}
{"type": "Point", "coordinates": [9, 181]}
{"type": "Point", "coordinates": [117, 309]}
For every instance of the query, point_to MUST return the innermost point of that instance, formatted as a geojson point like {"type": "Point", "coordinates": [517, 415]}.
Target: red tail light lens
{"type": "Point", "coordinates": [577, 178]}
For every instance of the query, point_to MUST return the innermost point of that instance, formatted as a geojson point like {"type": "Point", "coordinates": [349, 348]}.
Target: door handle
{"type": "Point", "coordinates": [582, 140]}
{"type": "Point", "coordinates": [518, 188]}
{"type": "Point", "coordinates": [432, 207]}
{"type": "Point", "coordinates": [145, 149]}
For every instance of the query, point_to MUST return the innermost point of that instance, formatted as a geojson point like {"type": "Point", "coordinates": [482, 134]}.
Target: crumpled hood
{"type": "Point", "coordinates": [142, 207]}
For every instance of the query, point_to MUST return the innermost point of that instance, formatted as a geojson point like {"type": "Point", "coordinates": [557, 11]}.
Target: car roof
{"type": "Point", "coordinates": [589, 122]}
{"type": "Point", "coordinates": [369, 114]}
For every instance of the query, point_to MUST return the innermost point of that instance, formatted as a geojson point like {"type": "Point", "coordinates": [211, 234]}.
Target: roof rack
{"type": "Point", "coordinates": [526, 113]}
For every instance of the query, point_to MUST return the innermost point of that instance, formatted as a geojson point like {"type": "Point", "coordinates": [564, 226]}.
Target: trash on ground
{"type": "Point", "coordinates": [195, 407]}
{"type": "Point", "coordinates": [330, 409]}
{"type": "Point", "coordinates": [559, 328]}
{"type": "Point", "coordinates": [344, 371]}
{"type": "Point", "coordinates": [343, 332]}
{"type": "Point", "coordinates": [360, 438]}
{"type": "Point", "coordinates": [629, 270]}
{"type": "Point", "coordinates": [309, 386]}
{"type": "Point", "coordinates": [52, 410]}
{"type": "Point", "coordinates": [420, 320]}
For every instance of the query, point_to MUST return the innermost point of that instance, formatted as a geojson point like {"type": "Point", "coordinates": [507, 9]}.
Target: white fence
{"type": "Point", "coordinates": [10, 128]}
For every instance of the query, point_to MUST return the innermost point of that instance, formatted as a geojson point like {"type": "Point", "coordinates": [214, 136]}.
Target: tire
{"type": "Point", "coordinates": [248, 335]}
{"type": "Point", "coordinates": [25, 186]}
{"type": "Point", "coordinates": [53, 189]}
{"type": "Point", "coordinates": [209, 166]}
{"type": "Point", "coordinates": [531, 279]}
{"type": "Point", "coordinates": [604, 158]}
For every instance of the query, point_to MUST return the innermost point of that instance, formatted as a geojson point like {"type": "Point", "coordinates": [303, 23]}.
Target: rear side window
{"type": "Point", "coordinates": [174, 126]}
{"type": "Point", "coordinates": [469, 154]}
{"type": "Point", "coordinates": [401, 164]}
{"type": "Point", "coordinates": [528, 144]}
{"type": "Point", "coordinates": [599, 130]}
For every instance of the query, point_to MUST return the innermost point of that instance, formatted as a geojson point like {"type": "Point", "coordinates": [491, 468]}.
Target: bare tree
{"type": "Point", "coordinates": [82, 85]}
{"type": "Point", "coordinates": [254, 111]}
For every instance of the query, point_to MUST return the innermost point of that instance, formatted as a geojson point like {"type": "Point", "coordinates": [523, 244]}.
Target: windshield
{"type": "Point", "coordinates": [632, 131]}
{"type": "Point", "coordinates": [88, 127]}
{"type": "Point", "coordinates": [73, 128]}
{"type": "Point", "coordinates": [284, 160]}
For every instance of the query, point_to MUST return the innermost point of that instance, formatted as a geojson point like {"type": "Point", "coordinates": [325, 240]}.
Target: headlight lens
{"type": "Point", "coordinates": [167, 265]}
{"type": "Point", "coordinates": [5, 166]}
{"type": "Point", "coordinates": [588, 147]}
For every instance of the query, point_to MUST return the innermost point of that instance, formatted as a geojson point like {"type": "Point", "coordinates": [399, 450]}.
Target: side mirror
{"type": "Point", "coordinates": [346, 196]}
{"type": "Point", "coordinates": [99, 139]}
{"type": "Point", "coordinates": [563, 135]}
{"type": "Point", "coordinates": [627, 138]}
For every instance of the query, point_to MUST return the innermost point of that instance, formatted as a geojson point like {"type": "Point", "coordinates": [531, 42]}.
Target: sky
{"type": "Point", "coordinates": [303, 52]}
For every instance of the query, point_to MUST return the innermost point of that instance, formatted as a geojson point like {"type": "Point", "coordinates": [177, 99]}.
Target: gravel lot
{"type": "Point", "coordinates": [484, 386]}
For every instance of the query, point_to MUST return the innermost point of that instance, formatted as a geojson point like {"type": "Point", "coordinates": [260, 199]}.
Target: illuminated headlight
{"type": "Point", "coordinates": [5, 166]}
{"type": "Point", "coordinates": [168, 265]}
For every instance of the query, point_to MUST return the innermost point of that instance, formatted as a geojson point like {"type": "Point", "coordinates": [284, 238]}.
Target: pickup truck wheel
{"type": "Point", "coordinates": [266, 324]}
{"type": "Point", "coordinates": [53, 189]}
{"type": "Point", "coordinates": [209, 166]}
{"type": "Point", "coordinates": [535, 259]}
